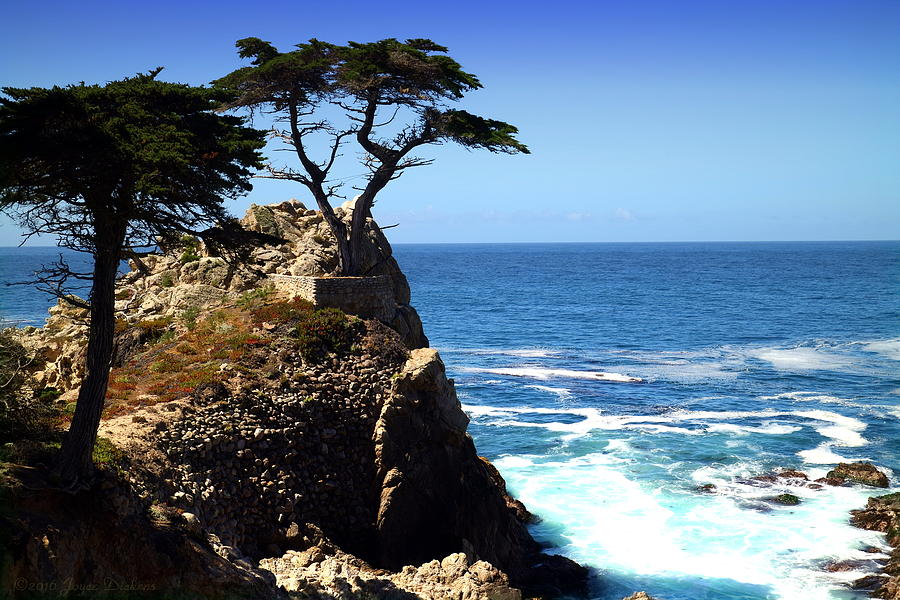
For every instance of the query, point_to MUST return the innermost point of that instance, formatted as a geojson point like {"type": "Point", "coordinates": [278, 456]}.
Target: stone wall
{"type": "Point", "coordinates": [367, 297]}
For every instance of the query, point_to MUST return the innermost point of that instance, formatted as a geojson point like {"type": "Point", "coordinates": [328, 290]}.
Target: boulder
{"type": "Point", "coordinates": [859, 472]}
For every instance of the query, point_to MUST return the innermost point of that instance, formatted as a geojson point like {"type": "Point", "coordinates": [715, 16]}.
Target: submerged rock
{"type": "Point", "coordinates": [784, 499]}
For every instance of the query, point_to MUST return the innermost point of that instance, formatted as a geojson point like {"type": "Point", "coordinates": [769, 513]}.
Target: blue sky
{"type": "Point", "coordinates": [648, 120]}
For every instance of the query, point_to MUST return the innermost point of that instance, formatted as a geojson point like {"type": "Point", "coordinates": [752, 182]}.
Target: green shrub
{"type": "Point", "coordinates": [166, 280]}
{"type": "Point", "coordinates": [255, 297]}
{"type": "Point", "coordinates": [191, 246]}
{"type": "Point", "coordinates": [189, 317]}
{"type": "Point", "coordinates": [325, 331]}
{"type": "Point", "coordinates": [47, 394]}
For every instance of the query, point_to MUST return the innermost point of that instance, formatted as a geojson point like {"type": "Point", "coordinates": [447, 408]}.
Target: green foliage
{"type": "Point", "coordinates": [786, 499]}
{"type": "Point", "coordinates": [166, 280]}
{"type": "Point", "coordinates": [256, 297]}
{"type": "Point", "coordinates": [106, 454]}
{"type": "Point", "coordinates": [410, 81]}
{"type": "Point", "coordinates": [325, 331]}
{"type": "Point", "coordinates": [160, 143]}
{"type": "Point", "coordinates": [154, 329]}
{"type": "Point", "coordinates": [191, 247]}
{"type": "Point", "coordinates": [48, 394]}
{"type": "Point", "coordinates": [189, 317]}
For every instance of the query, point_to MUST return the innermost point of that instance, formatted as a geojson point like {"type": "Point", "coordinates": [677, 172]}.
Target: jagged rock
{"type": "Point", "coordinates": [337, 575]}
{"type": "Point", "coordinates": [859, 472]}
{"type": "Point", "coordinates": [639, 596]}
{"type": "Point", "coordinates": [516, 506]}
{"type": "Point", "coordinates": [882, 513]}
{"type": "Point", "coordinates": [431, 479]}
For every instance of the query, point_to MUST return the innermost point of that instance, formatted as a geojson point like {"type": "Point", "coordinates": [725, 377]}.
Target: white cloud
{"type": "Point", "coordinates": [624, 214]}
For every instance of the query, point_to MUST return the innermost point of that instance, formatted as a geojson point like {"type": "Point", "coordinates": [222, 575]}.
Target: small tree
{"type": "Point", "coordinates": [411, 80]}
{"type": "Point", "coordinates": [109, 168]}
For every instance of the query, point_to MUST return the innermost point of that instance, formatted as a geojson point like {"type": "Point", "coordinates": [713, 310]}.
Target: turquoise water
{"type": "Point", "coordinates": [753, 357]}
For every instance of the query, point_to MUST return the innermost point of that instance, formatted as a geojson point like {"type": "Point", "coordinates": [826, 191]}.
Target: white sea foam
{"type": "Point", "coordinates": [800, 359]}
{"type": "Point", "coordinates": [886, 348]}
{"type": "Point", "coordinates": [768, 428]}
{"type": "Point", "coordinates": [544, 374]}
{"type": "Point", "coordinates": [822, 455]}
{"type": "Point", "coordinates": [811, 397]}
{"type": "Point", "coordinates": [608, 517]}
{"type": "Point", "coordinates": [561, 393]}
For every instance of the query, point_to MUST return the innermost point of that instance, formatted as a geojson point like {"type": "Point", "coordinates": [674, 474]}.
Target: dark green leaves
{"type": "Point", "coordinates": [140, 151]}
{"type": "Point", "coordinates": [476, 132]}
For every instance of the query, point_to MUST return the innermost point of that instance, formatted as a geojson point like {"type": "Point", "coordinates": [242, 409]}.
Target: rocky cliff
{"type": "Point", "coordinates": [302, 463]}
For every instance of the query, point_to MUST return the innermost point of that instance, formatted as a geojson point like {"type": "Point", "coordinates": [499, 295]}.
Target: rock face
{"type": "Point", "coordinates": [331, 575]}
{"type": "Point", "coordinates": [431, 478]}
{"type": "Point", "coordinates": [99, 543]}
{"type": "Point", "coordinates": [883, 514]}
{"type": "Point", "coordinates": [859, 472]}
{"type": "Point", "coordinates": [309, 250]}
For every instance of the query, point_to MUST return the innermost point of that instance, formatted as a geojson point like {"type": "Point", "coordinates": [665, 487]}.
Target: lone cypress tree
{"type": "Point", "coordinates": [108, 168]}
{"type": "Point", "coordinates": [410, 81]}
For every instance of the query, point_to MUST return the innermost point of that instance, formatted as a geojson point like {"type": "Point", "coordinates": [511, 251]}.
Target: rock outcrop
{"type": "Point", "coordinates": [335, 575]}
{"type": "Point", "coordinates": [859, 472]}
{"type": "Point", "coordinates": [431, 479]}
{"type": "Point", "coordinates": [272, 455]}
{"type": "Point", "coordinates": [187, 278]}
{"type": "Point", "coordinates": [882, 513]}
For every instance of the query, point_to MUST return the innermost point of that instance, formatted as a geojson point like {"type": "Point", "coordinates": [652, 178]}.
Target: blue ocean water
{"type": "Point", "coordinates": [753, 357]}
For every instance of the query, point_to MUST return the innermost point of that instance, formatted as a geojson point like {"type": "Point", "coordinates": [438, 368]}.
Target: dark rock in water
{"type": "Point", "coordinates": [832, 481]}
{"type": "Point", "coordinates": [792, 474]}
{"type": "Point", "coordinates": [869, 583]}
{"type": "Point", "coordinates": [859, 472]}
{"type": "Point", "coordinates": [762, 479]}
{"type": "Point", "coordinates": [556, 576]}
{"type": "Point", "coordinates": [842, 566]}
{"type": "Point", "coordinates": [706, 488]}
{"type": "Point", "coordinates": [784, 500]}
{"type": "Point", "coordinates": [882, 513]}
{"type": "Point", "coordinates": [761, 507]}
{"type": "Point", "coordinates": [514, 505]}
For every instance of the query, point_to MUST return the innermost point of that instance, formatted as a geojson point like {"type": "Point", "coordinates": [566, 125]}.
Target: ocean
{"type": "Point", "coordinates": [608, 382]}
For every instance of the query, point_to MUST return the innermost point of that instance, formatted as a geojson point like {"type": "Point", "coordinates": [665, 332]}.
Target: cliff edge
{"type": "Point", "coordinates": [310, 450]}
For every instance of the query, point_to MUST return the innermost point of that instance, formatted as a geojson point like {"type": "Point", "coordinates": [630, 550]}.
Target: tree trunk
{"type": "Point", "coordinates": [339, 230]}
{"type": "Point", "coordinates": [75, 465]}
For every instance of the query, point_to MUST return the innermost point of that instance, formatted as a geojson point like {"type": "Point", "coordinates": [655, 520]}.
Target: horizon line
{"type": "Point", "coordinates": [831, 241]}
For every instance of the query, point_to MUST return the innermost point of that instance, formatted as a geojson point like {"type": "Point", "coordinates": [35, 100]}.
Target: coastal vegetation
{"type": "Point", "coordinates": [109, 169]}
{"type": "Point", "coordinates": [393, 95]}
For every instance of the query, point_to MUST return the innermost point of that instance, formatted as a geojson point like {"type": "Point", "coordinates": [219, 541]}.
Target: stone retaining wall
{"type": "Point", "coordinates": [367, 297]}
